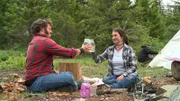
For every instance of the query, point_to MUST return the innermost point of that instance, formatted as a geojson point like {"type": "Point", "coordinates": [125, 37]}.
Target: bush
{"type": "Point", "coordinates": [3, 57]}
{"type": "Point", "coordinates": [12, 60]}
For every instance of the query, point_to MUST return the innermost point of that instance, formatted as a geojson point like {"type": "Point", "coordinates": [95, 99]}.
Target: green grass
{"type": "Point", "coordinates": [91, 69]}
{"type": "Point", "coordinates": [153, 72]}
{"type": "Point", "coordinates": [15, 60]}
{"type": "Point", "coordinates": [12, 60]}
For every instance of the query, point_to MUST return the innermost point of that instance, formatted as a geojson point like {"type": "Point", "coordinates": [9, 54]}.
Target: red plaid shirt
{"type": "Point", "coordinates": [40, 55]}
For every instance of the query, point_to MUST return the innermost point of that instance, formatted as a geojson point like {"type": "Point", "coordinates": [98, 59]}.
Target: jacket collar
{"type": "Point", "coordinates": [39, 35]}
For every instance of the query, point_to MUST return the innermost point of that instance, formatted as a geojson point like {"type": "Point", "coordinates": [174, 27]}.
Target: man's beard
{"type": "Point", "coordinates": [45, 30]}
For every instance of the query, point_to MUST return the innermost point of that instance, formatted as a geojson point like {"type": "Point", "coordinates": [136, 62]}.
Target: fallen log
{"type": "Point", "coordinates": [106, 89]}
{"type": "Point", "coordinates": [111, 91]}
{"type": "Point", "coordinates": [175, 69]}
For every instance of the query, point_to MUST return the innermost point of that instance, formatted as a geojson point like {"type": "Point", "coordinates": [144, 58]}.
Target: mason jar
{"type": "Point", "coordinates": [90, 42]}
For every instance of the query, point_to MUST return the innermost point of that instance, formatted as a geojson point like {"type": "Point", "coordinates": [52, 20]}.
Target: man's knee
{"type": "Point", "coordinates": [69, 76]}
{"type": "Point", "coordinates": [65, 76]}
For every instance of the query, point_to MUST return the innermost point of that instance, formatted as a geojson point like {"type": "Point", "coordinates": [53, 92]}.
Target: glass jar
{"type": "Point", "coordinates": [90, 42]}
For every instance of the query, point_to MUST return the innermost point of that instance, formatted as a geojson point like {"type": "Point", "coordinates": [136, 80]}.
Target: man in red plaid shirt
{"type": "Point", "coordinates": [40, 76]}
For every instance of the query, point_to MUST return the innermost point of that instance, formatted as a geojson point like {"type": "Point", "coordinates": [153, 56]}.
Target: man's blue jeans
{"type": "Point", "coordinates": [53, 81]}
{"type": "Point", "coordinates": [128, 81]}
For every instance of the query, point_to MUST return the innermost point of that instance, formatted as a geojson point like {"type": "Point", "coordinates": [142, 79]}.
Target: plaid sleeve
{"type": "Point", "coordinates": [100, 58]}
{"type": "Point", "coordinates": [132, 62]}
{"type": "Point", "coordinates": [55, 49]}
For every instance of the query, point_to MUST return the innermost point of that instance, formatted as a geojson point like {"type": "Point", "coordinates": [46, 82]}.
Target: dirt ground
{"type": "Point", "coordinates": [17, 92]}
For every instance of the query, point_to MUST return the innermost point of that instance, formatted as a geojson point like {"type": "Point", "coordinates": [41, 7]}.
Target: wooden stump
{"type": "Point", "coordinates": [175, 69]}
{"type": "Point", "coordinates": [75, 68]}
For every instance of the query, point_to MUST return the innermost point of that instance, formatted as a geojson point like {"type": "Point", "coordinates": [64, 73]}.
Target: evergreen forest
{"type": "Point", "coordinates": [144, 21]}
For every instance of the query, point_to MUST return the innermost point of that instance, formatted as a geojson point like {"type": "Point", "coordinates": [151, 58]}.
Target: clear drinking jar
{"type": "Point", "coordinates": [90, 42]}
{"type": "Point", "coordinates": [93, 90]}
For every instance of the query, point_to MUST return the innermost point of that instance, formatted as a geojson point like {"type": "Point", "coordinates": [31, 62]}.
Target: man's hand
{"type": "Point", "coordinates": [86, 47]}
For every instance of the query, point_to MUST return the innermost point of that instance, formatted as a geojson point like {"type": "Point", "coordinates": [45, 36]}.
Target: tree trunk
{"type": "Point", "coordinates": [75, 68]}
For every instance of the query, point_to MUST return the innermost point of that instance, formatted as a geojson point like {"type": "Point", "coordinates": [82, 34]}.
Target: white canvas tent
{"type": "Point", "coordinates": [171, 50]}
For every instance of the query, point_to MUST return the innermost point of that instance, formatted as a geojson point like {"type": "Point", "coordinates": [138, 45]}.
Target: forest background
{"type": "Point", "coordinates": [145, 22]}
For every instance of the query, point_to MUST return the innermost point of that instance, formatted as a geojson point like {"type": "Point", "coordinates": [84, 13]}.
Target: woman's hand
{"type": "Point", "coordinates": [120, 78]}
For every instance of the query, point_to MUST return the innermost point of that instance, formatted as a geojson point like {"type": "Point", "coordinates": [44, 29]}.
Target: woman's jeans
{"type": "Point", "coordinates": [53, 81]}
{"type": "Point", "coordinates": [127, 82]}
